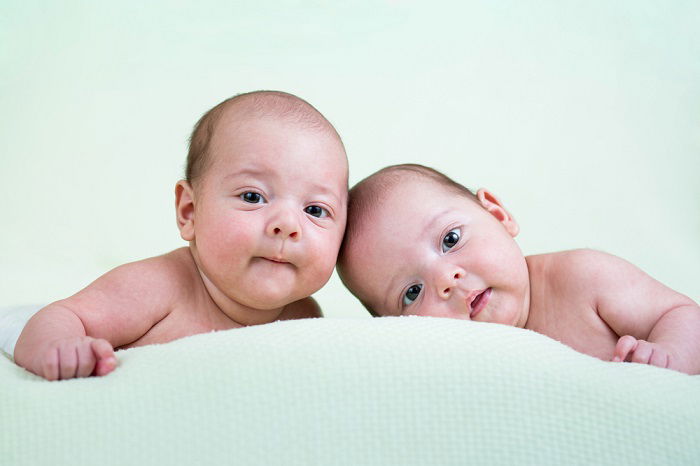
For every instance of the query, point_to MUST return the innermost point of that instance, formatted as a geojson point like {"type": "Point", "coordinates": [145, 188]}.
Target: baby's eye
{"type": "Point", "coordinates": [450, 239]}
{"type": "Point", "coordinates": [252, 197]}
{"type": "Point", "coordinates": [411, 294]}
{"type": "Point", "coordinates": [316, 211]}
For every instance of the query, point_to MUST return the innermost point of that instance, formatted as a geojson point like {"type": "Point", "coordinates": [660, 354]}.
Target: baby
{"type": "Point", "coordinates": [421, 244]}
{"type": "Point", "coordinates": [263, 207]}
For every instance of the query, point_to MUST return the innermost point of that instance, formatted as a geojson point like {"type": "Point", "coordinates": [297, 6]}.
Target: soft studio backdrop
{"type": "Point", "coordinates": [582, 116]}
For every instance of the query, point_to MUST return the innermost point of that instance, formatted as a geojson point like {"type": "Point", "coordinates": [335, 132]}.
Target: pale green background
{"type": "Point", "coordinates": [583, 116]}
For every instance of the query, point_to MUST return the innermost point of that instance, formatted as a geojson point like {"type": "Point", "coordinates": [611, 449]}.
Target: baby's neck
{"type": "Point", "coordinates": [538, 267]}
{"type": "Point", "coordinates": [536, 287]}
{"type": "Point", "coordinates": [237, 312]}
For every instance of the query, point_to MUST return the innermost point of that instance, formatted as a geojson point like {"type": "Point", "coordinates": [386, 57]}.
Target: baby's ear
{"type": "Point", "coordinates": [184, 209]}
{"type": "Point", "coordinates": [491, 203]}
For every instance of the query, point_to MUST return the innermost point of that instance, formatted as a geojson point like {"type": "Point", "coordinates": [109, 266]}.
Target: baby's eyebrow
{"type": "Point", "coordinates": [388, 295]}
{"type": "Point", "coordinates": [246, 172]}
{"type": "Point", "coordinates": [325, 190]}
{"type": "Point", "coordinates": [433, 220]}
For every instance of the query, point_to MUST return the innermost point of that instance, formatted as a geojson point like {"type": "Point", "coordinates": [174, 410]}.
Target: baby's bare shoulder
{"type": "Point", "coordinates": [564, 284]}
{"type": "Point", "coordinates": [579, 263]}
{"type": "Point", "coordinates": [177, 265]}
{"type": "Point", "coordinates": [576, 271]}
{"type": "Point", "coordinates": [306, 308]}
{"type": "Point", "coordinates": [169, 272]}
{"type": "Point", "coordinates": [124, 303]}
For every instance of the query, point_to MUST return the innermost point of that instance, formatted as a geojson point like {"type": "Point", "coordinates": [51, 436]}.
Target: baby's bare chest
{"type": "Point", "coordinates": [180, 322]}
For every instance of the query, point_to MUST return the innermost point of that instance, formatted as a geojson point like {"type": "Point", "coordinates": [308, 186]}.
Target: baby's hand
{"type": "Point", "coordinates": [76, 357]}
{"type": "Point", "coordinates": [630, 349]}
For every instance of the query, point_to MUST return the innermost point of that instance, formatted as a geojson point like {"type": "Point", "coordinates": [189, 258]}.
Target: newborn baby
{"type": "Point", "coordinates": [263, 210]}
{"type": "Point", "coordinates": [418, 243]}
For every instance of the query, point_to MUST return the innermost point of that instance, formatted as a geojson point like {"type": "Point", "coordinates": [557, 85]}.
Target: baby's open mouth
{"type": "Point", "coordinates": [479, 302]}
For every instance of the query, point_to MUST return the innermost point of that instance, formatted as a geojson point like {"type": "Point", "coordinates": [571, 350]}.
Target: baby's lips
{"type": "Point", "coordinates": [279, 259]}
{"type": "Point", "coordinates": [473, 295]}
{"type": "Point", "coordinates": [479, 302]}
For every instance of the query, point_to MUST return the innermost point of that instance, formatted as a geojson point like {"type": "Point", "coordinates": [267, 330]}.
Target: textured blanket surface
{"type": "Point", "coordinates": [368, 391]}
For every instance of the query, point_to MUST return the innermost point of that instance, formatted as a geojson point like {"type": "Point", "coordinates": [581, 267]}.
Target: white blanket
{"type": "Point", "coordinates": [408, 391]}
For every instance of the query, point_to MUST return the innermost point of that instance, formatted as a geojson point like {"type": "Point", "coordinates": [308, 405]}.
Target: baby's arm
{"type": "Point", "coordinates": [75, 337]}
{"type": "Point", "coordinates": [54, 345]}
{"type": "Point", "coordinates": [657, 325]}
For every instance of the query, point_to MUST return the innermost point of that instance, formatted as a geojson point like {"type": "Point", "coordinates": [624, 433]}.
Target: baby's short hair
{"type": "Point", "coordinates": [259, 104]}
{"type": "Point", "coordinates": [363, 198]}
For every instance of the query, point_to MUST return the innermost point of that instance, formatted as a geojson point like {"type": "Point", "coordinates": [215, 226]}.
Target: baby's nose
{"type": "Point", "coordinates": [445, 286]}
{"type": "Point", "coordinates": [284, 224]}
{"type": "Point", "coordinates": [285, 232]}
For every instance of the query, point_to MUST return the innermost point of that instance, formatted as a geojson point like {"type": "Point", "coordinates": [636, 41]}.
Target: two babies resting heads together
{"type": "Point", "coordinates": [266, 212]}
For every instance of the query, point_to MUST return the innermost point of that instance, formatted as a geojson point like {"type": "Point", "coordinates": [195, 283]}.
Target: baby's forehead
{"type": "Point", "coordinates": [411, 191]}
{"type": "Point", "coordinates": [407, 183]}
{"type": "Point", "coordinates": [239, 121]}
{"type": "Point", "coordinates": [409, 208]}
{"type": "Point", "coordinates": [241, 126]}
{"type": "Point", "coordinates": [270, 149]}
{"type": "Point", "coordinates": [388, 211]}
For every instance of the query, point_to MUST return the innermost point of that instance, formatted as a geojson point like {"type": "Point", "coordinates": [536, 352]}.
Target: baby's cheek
{"type": "Point", "coordinates": [321, 256]}
{"type": "Point", "coordinates": [232, 239]}
{"type": "Point", "coordinates": [502, 259]}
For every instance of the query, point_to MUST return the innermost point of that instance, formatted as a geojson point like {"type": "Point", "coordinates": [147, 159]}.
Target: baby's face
{"type": "Point", "coordinates": [429, 251]}
{"type": "Point", "coordinates": [270, 211]}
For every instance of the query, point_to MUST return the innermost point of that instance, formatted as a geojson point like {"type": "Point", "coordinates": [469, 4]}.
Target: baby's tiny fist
{"type": "Point", "coordinates": [626, 344]}
{"type": "Point", "coordinates": [106, 360]}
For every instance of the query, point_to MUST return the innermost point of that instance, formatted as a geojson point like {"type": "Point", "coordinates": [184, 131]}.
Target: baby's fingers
{"type": "Point", "coordinates": [625, 345]}
{"type": "Point", "coordinates": [659, 358]}
{"type": "Point", "coordinates": [50, 365]}
{"type": "Point", "coordinates": [642, 353]}
{"type": "Point", "coordinates": [86, 360]}
{"type": "Point", "coordinates": [67, 359]}
{"type": "Point", "coordinates": [104, 354]}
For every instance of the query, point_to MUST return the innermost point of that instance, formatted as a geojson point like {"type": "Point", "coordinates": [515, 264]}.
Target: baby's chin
{"type": "Point", "coordinates": [274, 298]}
{"type": "Point", "coordinates": [284, 285]}
{"type": "Point", "coordinates": [268, 301]}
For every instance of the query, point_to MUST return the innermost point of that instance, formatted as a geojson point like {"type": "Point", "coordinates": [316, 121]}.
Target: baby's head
{"type": "Point", "coordinates": [263, 204]}
{"type": "Point", "coordinates": [418, 243]}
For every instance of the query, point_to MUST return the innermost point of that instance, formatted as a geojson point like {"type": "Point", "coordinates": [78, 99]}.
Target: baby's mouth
{"type": "Point", "coordinates": [278, 260]}
{"type": "Point", "coordinates": [479, 302]}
